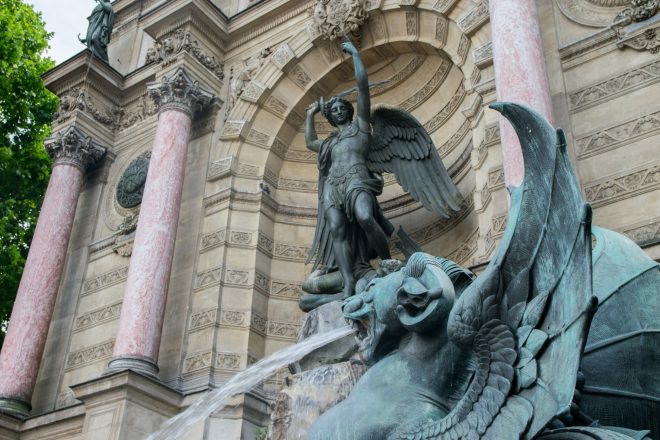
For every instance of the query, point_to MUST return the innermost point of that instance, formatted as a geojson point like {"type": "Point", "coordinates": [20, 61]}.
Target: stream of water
{"type": "Point", "coordinates": [246, 380]}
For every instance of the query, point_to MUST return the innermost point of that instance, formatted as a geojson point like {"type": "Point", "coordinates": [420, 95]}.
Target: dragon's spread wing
{"type": "Point", "coordinates": [401, 145]}
{"type": "Point", "coordinates": [526, 317]}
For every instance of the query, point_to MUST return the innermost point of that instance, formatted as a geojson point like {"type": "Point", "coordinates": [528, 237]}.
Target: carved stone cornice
{"type": "Point", "coordinates": [72, 146]}
{"type": "Point", "coordinates": [647, 39]}
{"type": "Point", "coordinates": [179, 91]}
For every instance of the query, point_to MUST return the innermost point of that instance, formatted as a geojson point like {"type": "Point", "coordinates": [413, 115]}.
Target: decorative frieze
{"type": "Point", "coordinates": [286, 290]}
{"type": "Point", "coordinates": [197, 361]}
{"type": "Point", "coordinates": [613, 189]}
{"type": "Point", "coordinates": [411, 23]}
{"type": "Point", "coordinates": [276, 106]}
{"type": "Point", "coordinates": [282, 56]}
{"type": "Point", "coordinates": [483, 55]}
{"type": "Point", "coordinates": [212, 240]}
{"type": "Point", "coordinates": [466, 249]}
{"type": "Point", "coordinates": [492, 135]}
{"type": "Point", "coordinates": [208, 278]}
{"type": "Point", "coordinates": [72, 146]}
{"type": "Point", "coordinates": [258, 323]}
{"type": "Point", "coordinates": [265, 244]}
{"type": "Point", "coordinates": [496, 230]}
{"type": "Point", "coordinates": [261, 282]}
{"type": "Point", "coordinates": [455, 139]}
{"type": "Point", "coordinates": [392, 82]}
{"type": "Point", "coordinates": [107, 279]}
{"type": "Point", "coordinates": [378, 27]}
{"type": "Point", "coordinates": [443, 6]}
{"type": "Point", "coordinates": [179, 91]}
{"type": "Point", "coordinates": [648, 39]}
{"type": "Point", "coordinates": [441, 29]}
{"type": "Point", "coordinates": [234, 318]}
{"type": "Point", "coordinates": [203, 319]}
{"type": "Point", "coordinates": [474, 19]}
{"type": "Point", "coordinates": [429, 88]}
{"type": "Point", "coordinates": [258, 138]}
{"type": "Point", "coordinates": [298, 185]}
{"type": "Point", "coordinates": [646, 234]}
{"type": "Point", "coordinates": [97, 317]}
{"type": "Point", "coordinates": [441, 226]}
{"type": "Point", "coordinates": [300, 77]}
{"type": "Point", "coordinates": [166, 49]}
{"type": "Point", "coordinates": [447, 111]}
{"type": "Point", "coordinates": [77, 99]}
{"type": "Point", "coordinates": [463, 49]}
{"type": "Point", "coordinates": [228, 361]}
{"type": "Point", "coordinates": [619, 135]}
{"type": "Point", "coordinates": [279, 148]}
{"type": "Point", "coordinates": [290, 252]}
{"type": "Point", "coordinates": [302, 156]}
{"type": "Point", "coordinates": [237, 277]}
{"type": "Point", "coordinates": [495, 181]}
{"type": "Point", "coordinates": [89, 355]}
{"type": "Point", "coordinates": [283, 330]}
{"type": "Point", "coordinates": [618, 85]}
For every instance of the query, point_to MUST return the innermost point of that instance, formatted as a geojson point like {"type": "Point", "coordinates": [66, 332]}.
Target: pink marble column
{"type": "Point", "coordinates": [520, 72]}
{"type": "Point", "coordinates": [141, 321]}
{"type": "Point", "coordinates": [72, 153]}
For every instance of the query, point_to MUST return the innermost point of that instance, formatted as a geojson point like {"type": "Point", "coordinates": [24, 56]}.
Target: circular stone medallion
{"type": "Point", "coordinates": [131, 183]}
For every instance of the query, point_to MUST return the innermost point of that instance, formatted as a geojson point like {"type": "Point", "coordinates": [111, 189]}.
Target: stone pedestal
{"type": "Point", "coordinates": [140, 325]}
{"type": "Point", "coordinates": [520, 72]}
{"type": "Point", "coordinates": [125, 406]}
{"type": "Point", "coordinates": [73, 153]}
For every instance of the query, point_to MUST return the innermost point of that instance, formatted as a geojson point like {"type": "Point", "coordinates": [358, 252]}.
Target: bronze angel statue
{"type": "Point", "coordinates": [496, 357]}
{"type": "Point", "coordinates": [351, 228]}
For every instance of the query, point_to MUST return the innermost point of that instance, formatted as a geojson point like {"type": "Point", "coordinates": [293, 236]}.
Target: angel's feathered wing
{"type": "Point", "coordinates": [527, 316]}
{"type": "Point", "coordinates": [401, 145]}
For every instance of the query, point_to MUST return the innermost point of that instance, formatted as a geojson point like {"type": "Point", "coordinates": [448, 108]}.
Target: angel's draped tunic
{"type": "Point", "coordinates": [341, 192]}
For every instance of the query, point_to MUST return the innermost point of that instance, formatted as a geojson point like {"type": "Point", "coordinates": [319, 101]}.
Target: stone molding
{"type": "Point", "coordinates": [166, 48]}
{"type": "Point", "coordinates": [483, 56]}
{"type": "Point", "coordinates": [592, 13]}
{"type": "Point", "coordinates": [466, 249]}
{"type": "Point", "coordinates": [645, 234]}
{"type": "Point", "coordinates": [237, 238]}
{"type": "Point", "coordinates": [97, 317]}
{"type": "Point", "coordinates": [454, 140]}
{"type": "Point", "coordinates": [645, 39]}
{"type": "Point", "coordinates": [105, 280]}
{"type": "Point", "coordinates": [618, 85]}
{"type": "Point", "coordinates": [615, 188]}
{"type": "Point", "coordinates": [447, 111]}
{"type": "Point", "coordinates": [444, 6]}
{"type": "Point", "coordinates": [179, 91]}
{"type": "Point", "coordinates": [71, 146]}
{"type": "Point", "coordinates": [495, 182]}
{"type": "Point", "coordinates": [618, 135]}
{"type": "Point", "coordinates": [78, 99]}
{"type": "Point", "coordinates": [221, 275]}
{"type": "Point", "coordinates": [89, 355]}
{"type": "Point", "coordinates": [429, 88]}
{"type": "Point", "coordinates": [495, 231]}
{"type": "Point", "coordinates": [475, 18]}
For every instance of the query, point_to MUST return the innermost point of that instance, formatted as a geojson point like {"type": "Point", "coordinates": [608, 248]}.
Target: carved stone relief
{"type": "Point", "coordinates": [638, 10]}
{"type": "Point", "coordinates": [242, 74]}
{"type": "Point", "coordinates": [105, 280]}
{"type": "Point", "coordinates": [476, 17]}
{"type": "Point", "coordinates": [648, 39]}
{"type": "Point", "coordinates": [72, 146]}
{"type": "Point", "coordinates": [593, 13]}
{"type": "Point", "coordinates": [333, 18]}
{"type": "Point", "coordinates": [614, 189]}
{"type": "Point", "coordinates": [88, 355]}
{"type": "Point", "coordinates": [166, 48]}
{"type": "Point", "coordinates": [447, 111]}
{"type": "Point", "coordinates": [646, 234]}
{"type": "Point", "coordinates": [466, 249]}
{"type": "Point", "coordinates": [615, 86]}
{"type": "Point", "coordinates": [619, 135]}
{"type": "Point", "coordinates": [429, 88]}
{"type": "Point", "coordinates": [97, 316]}
{"type": "Point", "coordinates": [77, 99]}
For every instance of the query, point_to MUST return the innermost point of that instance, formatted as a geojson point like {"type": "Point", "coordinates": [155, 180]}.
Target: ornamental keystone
{"type": "Point", "coordinates": [179, 91]}
{"type": "Point", "coordinates": [73, 147]}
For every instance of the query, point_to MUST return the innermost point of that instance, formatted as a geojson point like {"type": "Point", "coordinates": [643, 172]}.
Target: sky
{"type": "Point", "coordinates": [66, 19]}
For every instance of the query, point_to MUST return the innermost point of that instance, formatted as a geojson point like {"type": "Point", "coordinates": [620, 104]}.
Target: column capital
{"type": "Point", "coordinates": [73, 147]}
{"type": "Point", "coordinates": [179, 91]}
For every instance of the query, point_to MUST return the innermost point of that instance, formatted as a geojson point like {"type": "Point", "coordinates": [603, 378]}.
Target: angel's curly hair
{"type": "Point", "coordinates": [327, 109]}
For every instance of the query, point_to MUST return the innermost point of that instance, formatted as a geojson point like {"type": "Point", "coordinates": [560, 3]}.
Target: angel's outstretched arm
{"type": "Point", "coordinates": [363, 100]}
{"type": "Point", "coordinates": [311, 138]}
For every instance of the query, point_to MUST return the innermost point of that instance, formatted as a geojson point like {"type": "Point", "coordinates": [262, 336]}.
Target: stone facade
{"type": "Point", "coordinates": [248, 200]}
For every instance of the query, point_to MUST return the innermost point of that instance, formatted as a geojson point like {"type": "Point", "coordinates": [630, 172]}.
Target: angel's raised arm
{"type": "Point", "coordinates": [313, 143]}
{"type": "Point", "coordinates": [363, 100]}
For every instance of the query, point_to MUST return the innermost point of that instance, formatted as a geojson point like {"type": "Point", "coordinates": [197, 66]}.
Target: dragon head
{"type": "Point", "coordinates": [414, 298]}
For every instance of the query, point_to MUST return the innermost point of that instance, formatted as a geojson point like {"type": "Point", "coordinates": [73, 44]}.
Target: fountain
{"type": "Point", "coordinates": [243, 382]}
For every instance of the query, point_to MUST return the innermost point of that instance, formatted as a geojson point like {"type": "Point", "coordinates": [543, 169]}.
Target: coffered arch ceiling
{"type": "Point", "coordinates": [423, 56]}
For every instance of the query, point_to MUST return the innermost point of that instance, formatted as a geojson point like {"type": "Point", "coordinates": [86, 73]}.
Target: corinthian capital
{"type": "Point", "coordinates": [72, 146]}
{"type": "Point", "coordinates": [179, 91]}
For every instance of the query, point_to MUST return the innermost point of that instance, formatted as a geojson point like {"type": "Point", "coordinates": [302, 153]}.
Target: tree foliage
{"type": "Point", "coordinates": [26, 110]}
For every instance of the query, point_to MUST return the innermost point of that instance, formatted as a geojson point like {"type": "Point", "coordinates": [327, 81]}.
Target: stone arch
{"type": "Point", "coordinates": [263, 131]}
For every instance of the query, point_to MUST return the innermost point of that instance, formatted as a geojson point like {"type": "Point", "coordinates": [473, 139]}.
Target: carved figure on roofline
{"type": "Point", "coordinates": [99, 30]}
{"type": "Point", "coordinates": [351, 228]}
{"type": "Point", "coordinates": [497, 357]}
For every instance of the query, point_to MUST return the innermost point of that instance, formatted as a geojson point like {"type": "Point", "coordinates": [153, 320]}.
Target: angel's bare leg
{"type": "Point", "coordinates": [338, 224]}
{"type": "Point", "coordinates": [364, 213]}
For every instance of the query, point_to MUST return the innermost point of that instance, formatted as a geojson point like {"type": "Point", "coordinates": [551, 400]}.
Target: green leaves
{"type": "Point", "coordinates": [26, 110]}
